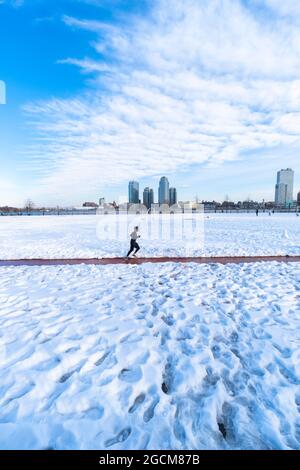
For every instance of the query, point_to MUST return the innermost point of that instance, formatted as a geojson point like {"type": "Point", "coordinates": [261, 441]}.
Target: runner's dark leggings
{"type": "Point", "coordinates": [133, 246]}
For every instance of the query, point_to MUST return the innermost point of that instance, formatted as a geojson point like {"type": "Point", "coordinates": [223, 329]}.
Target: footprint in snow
{"type": "Point", "coordinates": [66, 376]}
{"type": "Point", "coordinates": [285, 352]}
{"type": "Point", "coordinates": [103, 357]}
{"type": "Point", "coordinates": [131, 375]}
{"type": "Point", "coordinates": [149, 413]}
{"type": "Point", "coordinates": [288, 374]}
{"type": "Point", "coordinates": [211, 379]}
{"type": "Point", "coordinates": [94, 413]}
{"type": "Point", "coordinates": [169, 320]}
{"type": "Point", "coordinates": [297, 400]}
{"type": "Point", "coordinates": [48, 364]}
{"type": "Point", "coordinates": [137, 403]}
{"type": "Point", "coordinates": [120, 437]}
{"type": "Point", "coordinates": [168, 377]}
{"type": "Point", "coordinates": [178, 428]}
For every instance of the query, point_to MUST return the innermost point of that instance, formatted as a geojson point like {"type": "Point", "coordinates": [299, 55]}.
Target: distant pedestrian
{"type": "Point", "coordinates": [257, 212]}
{"type": "Point", "coordinates": [134, 246]}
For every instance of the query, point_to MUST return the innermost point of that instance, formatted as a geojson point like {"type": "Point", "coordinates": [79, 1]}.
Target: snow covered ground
{"type": "Point", "coordinates": [155, 356]}
{"type": "Point", "coordinates": [76, 237]}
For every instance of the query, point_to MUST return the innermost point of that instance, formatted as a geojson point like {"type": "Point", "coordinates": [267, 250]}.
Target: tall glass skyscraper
{"type": "Point", "coordinates": [284, 189]}
{"type": "Point", "coordinates": [133, 192]}
{"type": "Point", "coordinates": [173, 196]}
{"type": "Point", "coordinates": [163, 191]}
{"type": "Point", "coordinates": [148, 197]}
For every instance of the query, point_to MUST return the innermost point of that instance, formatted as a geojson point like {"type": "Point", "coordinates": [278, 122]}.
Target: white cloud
{"type": "Point", "coordinates": [196, 82]}
{"type": "Point", "coordinates": [86, 65]}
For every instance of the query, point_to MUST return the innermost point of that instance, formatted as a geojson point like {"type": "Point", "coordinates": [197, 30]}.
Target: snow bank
{"type": "Point", "coordinates": [154, 356]}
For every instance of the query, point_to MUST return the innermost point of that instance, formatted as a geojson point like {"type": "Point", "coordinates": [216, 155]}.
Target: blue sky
{"type": "Point", "coordinates": [103, 91]}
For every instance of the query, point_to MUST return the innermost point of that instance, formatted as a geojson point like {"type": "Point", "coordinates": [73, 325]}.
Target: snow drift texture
{"type": "Point", "coordinates": [152, 356]}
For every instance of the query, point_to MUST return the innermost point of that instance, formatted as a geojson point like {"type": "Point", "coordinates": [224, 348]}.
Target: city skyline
{"type": "Point", "coordinates": [84, 109]}
{"type": "Point", "coordinates": [284, 193]}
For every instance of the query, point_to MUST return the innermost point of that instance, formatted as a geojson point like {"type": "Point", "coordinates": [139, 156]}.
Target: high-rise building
{"type": "Point", "coordinates": [284, 188]}
{"type": "Point", "coordinates": [148, 197]}
{"type": "Point", "coordinates": [133, 192]}
{"type": "Point", "coordinates": [173, 196]}
{"type": "Point", "coordinates": [163, 191]}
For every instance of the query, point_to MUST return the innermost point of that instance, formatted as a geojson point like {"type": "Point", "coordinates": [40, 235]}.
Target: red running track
{"type": "Point", "coordinates": [135, 261]}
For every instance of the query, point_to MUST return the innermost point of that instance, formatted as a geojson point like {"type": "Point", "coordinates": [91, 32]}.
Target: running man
{"type": "Point", "coordinates": [133, 243]}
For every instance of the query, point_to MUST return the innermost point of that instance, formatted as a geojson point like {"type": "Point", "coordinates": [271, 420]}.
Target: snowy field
{"type": "Point", "coordinates": [76, 237]}
{"type": "Point", "coordinates": [153, 356]}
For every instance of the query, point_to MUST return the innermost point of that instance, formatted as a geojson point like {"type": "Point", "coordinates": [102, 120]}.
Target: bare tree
{"type": "Point", "coordinates": [248, 202]}
{"type": "Point", "coordinates": [29, 205]}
